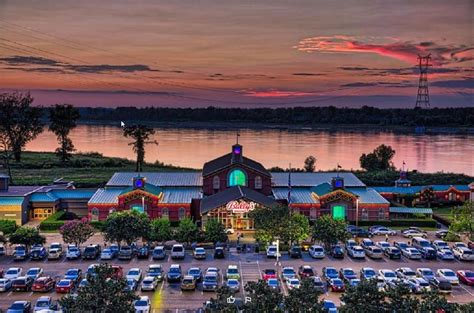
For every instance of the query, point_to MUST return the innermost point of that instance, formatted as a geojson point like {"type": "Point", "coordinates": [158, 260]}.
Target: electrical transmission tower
{"type": "Point", "coordinates": [423, 97]}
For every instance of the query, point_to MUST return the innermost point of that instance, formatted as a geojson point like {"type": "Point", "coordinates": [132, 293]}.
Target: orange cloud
{"type": "Point", "coordinates": [272, 93]}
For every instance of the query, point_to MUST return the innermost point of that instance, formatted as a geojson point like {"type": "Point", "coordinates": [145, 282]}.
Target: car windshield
{"type": "Point", "coordinates": [125, 249]}
{"type": "Point", "coordinates": [233, 271]}
{"type": "Point", "coordinates": [63, 283]}
{"type": "Point", "coordinates": [384, 244]}
{"type": "Point", "coordinates": [33, 271]}
{"type": "Point", "coordinates": [402, 245]}
{"type": "Point", "coordinates": [369, 273]}
{"type": "Point", "coordinates": [318, 249]}
{"type": "Point", "coordinates": [442, 244]}
{"type": "Point", "coordinates": [72, 272]}
{"type": "Point", "coordinates": [154, 270]}
{"type": "Point", "coordinates": [449, 274]}
{"type": "Point", "coordinates": [233, 282]}
{"type": "Point", "coordinates": [427, 273]}
{"type": "Point", "coordinates": [331, 271]}
{"type": "Point", "coordinates": [270, 272]}
{"type": "Point", "coordinates": [273, 282]}
{"type": "Point", "coordinates": [469, 274]}
{"type": "Point", "coordinates": [210, 278]}
{"type": "Point", "coordinates": [194, 271]}
{"type": "Point", "coordinates": [12, 271]}
{"type": "Point", "coordinates": [74, 249]}
{"type": "Point", "coordinates": [348, 272]}
{"type": "Point", "coordinates": [272, 249]}
{"type": "Point", "coordinates": [329, 305]}
{"type": "Point", "coordinates": [17, 306]}
{"type": "Point", "coordinates": [141, 303]}
{"type": "Point", "coordinates": [200, 250]}
{"type": "Point", "coordinates": [42, 304]}
{"type": "Point", "coordinates": [130, 282]}
{"type": "Point", "coordinates": [187, 281]}
{"type": "Point", "coordinates": [357, 249]}
{"type": "Point", "coordinates": [296, 249]}
{"type": "Point", "coordinates": [106, 251]}
{"type": "Point", "coordinates": [295, 282]}
{"type": "Point", "coordinates": [466, 252]}
{"type": "Point", "coordinates": [174, 270]}
{"type": "Point", "coordinates": [337, 281]}
{"type": "Point", "coordinates": [19, 282]}
{"type": "Point", "coordinates": [177, 249]}
{"type": "Point", "coordinates": [89, 250]}
{"type": "Point", "coordinates": [148, 280]}
{"type": "Point", "coordinates": [424, 284]}
{"type": "Point", "coordinates": [307, 270]}
{"type": "Point", "coordinates": [133, 272]}
{"type": "Point", "coordinates": [424, 243]}
{"type": "Point", "coordinates": [20, 248]}
{"type": "Point", "coordinates": [410, 273]}
{"type": "Point", "coordinates": [288, 271]}
{"type": "Point", "coordinates": [389, 274]}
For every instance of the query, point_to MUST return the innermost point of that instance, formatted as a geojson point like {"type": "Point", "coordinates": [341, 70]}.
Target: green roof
{"type": "Point", "coordinates": [322, 189]}
{"type": "Point", "coordinates": [410, 210]}
{"type": "Point", "coordinates": [148, 188]}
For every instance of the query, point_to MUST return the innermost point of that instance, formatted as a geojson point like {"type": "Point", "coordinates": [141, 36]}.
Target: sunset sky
{"type": "Point", "coordinates": [236, 53]}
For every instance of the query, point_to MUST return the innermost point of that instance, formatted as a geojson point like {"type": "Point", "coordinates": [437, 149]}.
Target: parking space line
{"type": "Point", "coordinates": [472, 294]}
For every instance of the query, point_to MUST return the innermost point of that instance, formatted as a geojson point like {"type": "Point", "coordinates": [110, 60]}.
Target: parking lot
{"type": "Point", "coordinates": [170, 298]}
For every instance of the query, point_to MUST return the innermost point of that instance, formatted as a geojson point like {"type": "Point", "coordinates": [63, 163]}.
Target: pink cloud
{"type": "Point", "coordinates": [272, 93]}
{"type": "Point", "coordinates": [390, 47]}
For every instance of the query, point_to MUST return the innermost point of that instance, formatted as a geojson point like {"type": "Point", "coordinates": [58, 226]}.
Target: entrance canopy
{"type": "Point", "coordinates": [235, 193]}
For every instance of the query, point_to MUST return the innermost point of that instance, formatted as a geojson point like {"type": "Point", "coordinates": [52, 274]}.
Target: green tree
{"type": "Point", "coordinates": [7, 226]}
{"type": "Point", "coordinates": [126, 226]}
{"type": "Point", "coordinates": [160, 230]}
{"type": "Point", "coordinates": [19, 121]}
{"type": "Point", "coordinates": [101, 294]}
{"type": "Point", "coordinates": [62, 119]}
{"type": "Point", "coordinates": [427, 196]}
{"type": "Point", "coordinates": [329, 231]}
{"type": "Point", "coordinates": [76, 231]}
{"type": "Point", "coordinates": [303, 299]}
{"type": "Point", "coordinates": [270, 222]}
{"type": "Point", "coordinates": [462, 219]}
{"type": "Point", "coordinates": [215, 231]}
{"type": "Point", "coordinates": [379, 159]}
{"type": "Point", "coordinates": [27, 236]}
{"type": "Point", "coordinates": [297, 228]}
{"type": "Point", "coordinates": [310, 164]}
{"type": "Point", "coordinates": [141, 135]}
{"type": "Point", "coordinates": [401, 300]}
{"type": "Point", "coordinates": [433, 302]}
{"type": "Point", "coordinates": [221, 303]}
{"type": "Point", "coordinates": [365, 297]}
{"type": "Point", "coordinates": [6, 153]}
{"type": "Point", "coordinates": [262, 298]}
{"type": "Point", "coordinates": [3, 239]}
{"type": "Point", "coordinates": [187, 231]}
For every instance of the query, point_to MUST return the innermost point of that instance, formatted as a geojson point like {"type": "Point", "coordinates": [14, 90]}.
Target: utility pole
{"type": "Point", "coordinates": [423, 97]}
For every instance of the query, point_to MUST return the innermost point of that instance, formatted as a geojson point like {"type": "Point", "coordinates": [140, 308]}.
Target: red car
{"type": "Point", "coordinates": [336, 285]}
{"type": "Point", "coordinates": [466, 277]}
{"type": "Point", "coordinates": [118, 272]}
{"type": "Point", "coordinates": [306, 271]}
{"type": "Point", "coordinates": [65, 286]}
{"type": "Point", "coordinates": [269, 273]}
{"type": "Point", "coordinates": [43, 284]}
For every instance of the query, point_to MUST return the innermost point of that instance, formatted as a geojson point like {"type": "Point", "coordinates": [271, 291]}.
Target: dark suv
{"type": "Point", "coordinates": [91, 252]}
{"type": "Point", "coordinates": [295, 251]}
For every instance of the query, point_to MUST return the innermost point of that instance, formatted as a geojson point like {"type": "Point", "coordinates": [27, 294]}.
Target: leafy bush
{"type": "Point", "coordinates": [54, 222]}
{"type": "Point", "coordinates": [7, 226]}
{"type": "Point", "coordinates": [97, 225]}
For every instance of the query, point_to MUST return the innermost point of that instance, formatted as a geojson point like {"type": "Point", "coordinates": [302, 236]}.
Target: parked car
{"type": "Point", "coordinates": [466, 277]}
{"type": "Point", "coordinates": [43, 284]}
{"type": "Point", "coordinates": [219, 253]}
{"type": "Point", "coordinates": [295, 252]}
{"type": "Point", "coordinates": [155, 270]}
{"type": "Point", "coordinates": [402, 245]}
{"type": "Point", "coordinates": [441, 233]}
{"type": "Point", "coordinates": [445, 254]}
{"type": "Point", "coordinates": [442, 285]}
{"type": "Point", "coordinates": [382, 245]}
{"type": "Point", "coordinates": [20, 253]}
{"type": "Point", "coordinates": [56, 245]}
{"type": "Point", "coordinates": [336, 285]}
{"type": "Point", "coordinates": [383, 231]}
{"type": "Point", "coordinates": [38, 253]}
{"type": "Point", "coordinates": [177, 251]}
{"type": "Point", "coordinates": [126, 253]}
{"type": "Point", "coordinates": [367, 273]}
{"type": "Point", "coordinates": [115, 249]}
{"type": "Point", "coordinates": [210, 281]}
{"type": "Point", "coordinates": [174, 273]}
{"type": "Point", "coordinates": [387, 275]}
{"type": "Point", "coordinates": [293, 283]}
{"type": "Point", "coordinates": [424, 246]}
{"type": "Point", "coordinates": [13, 272]}
{"type": "Point", "coordinates": [106, 254]}
{"type": "Point", "coordinates": [412, 253]}
{"type": "Point", "coordinates": [440, 244]}
{"type": "Point", "coordinates": [274, 284]}
{"type": "Point", "coordinates": [233, 284]}
{"type": "Point", "coordinates": [64, 286]}
{"type": "Point", "coordinates": [426, 273]}
{"type": "Point", "coordinates": [142, 305]}
{"type": "Point", "coordinates": [43, 303]}
{"type": "Point", "coordinates": [132, 285]}
{"type": "Point", "coordinates": [449, 275]}
{"type": "Point", "coordinates": [73, 252]}
{"type": "Point", "coordinates": [149, 283]}
{"type": "Point", "coordinates": [117, 272]}
{"type": "Point", "coordinates": [317, 252]}
{"type": "Point", "coordinates": [143, 252]}
{"type": "Point", "coordinates": [459, 244]}
{"type": "Point", "coordinates": [196, 273]}
{"type": "Point", "coordinates": [159, 253]}
{"type": "Point", "coordinates": [405, 272]}
{"type": "Point", "coordinates": [413, 233]}
{"type": "Point", "coordinates": [20, 307]}
{"type": "Point", "coordinates": [232, 272]}
{"type": "Point", "coordinates": [329, 306]}
{"type": "Point", "coordinates": [306, 271]}
{"type": "Point", "coordinates": [346, 274]}
{"type": "Point", "coordinates": [91, 252]}
{"type": "Point", "coordinates": [288, 273]}
{"type": "Point", "coordinates": [366, 242]}
{"type": "Point", "coordinates": [269, 273]}
{"type": "Point", "coordinates": [356, 252]}
{"type": "Point", "coordinates": [199, 253]}
{"type": "Point", "coordinates": [419, 285]}
{"type": "Point", "coordinates": [272, 252]}
{"type": "Point", "coordinates": [134, 273]}
{"type": "Point", "coordinates": [337, 252]}
{"type": "Point", "coordinates": [5, 284]}
{"type": "Point", "coordinates": [418, 229]}
{"type": "Point", "coordinates": [392, 253]}
{"type": "Point", "coordinates": [74, 274]}
{"type": "Point", "coordinates": [350, 243]}
{"type": "Point", "coordinates": [34, 272]}
{"type": "Point", "coordinates": [188, 283]}
{"type": "Point", "coordinates": [374, 252]}
{"type": "Point", "coordinates": [463, 253]}
{"type": "Point", "coordinates": [330, 272]}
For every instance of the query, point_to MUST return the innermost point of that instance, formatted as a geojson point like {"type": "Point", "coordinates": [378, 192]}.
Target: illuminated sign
{"type": "Point", "coordinates": [240, 206]}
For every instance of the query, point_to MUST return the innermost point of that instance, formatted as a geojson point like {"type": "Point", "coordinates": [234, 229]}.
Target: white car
{"type": "Point", "coordinates": [463, 253]}
{"type": "Point", "coordinates": [272, 252]}
{"type": "Point", "coordinates": [43, 303]}
{"type": "Point", "coordinates": [293, 283]}
{"type": "Point", "coordinates": [200, 253]}
{"type": "Point", "coordinates": [34, 272]}
{"type": "Point", "coordinates": [460, 244]}
{"type": "Point", "coordinates": [413, 233]}
{"type": "Point", "coordinates": [142, 305]}
{"type": "Point", "coordinates": [412, 253]}
{"type": "Point", "coordinates": [229, 231]}
{"type": "Point", "coordinates": [449, 275]}
{"type": "Point", "coordinates": [445, 254]}
{"type": "Point", "coordinates": [317, 252]}
{"type": "Point", "coordinates": [178, 252]}
{"type": "Point", "coordinates": [387, 275]}
{"type": "Point", "coordinates": [356, 252]}
{"type": "Point", "coordinates": [288, 273]}
{"type": "Point", "coordinates": [149, 283]}
{"type": "Point", "coordinates": [73, 253]}
{"type": "Point", "coordinates": [106, 254]}
{"type": "Point", "coordinates": [5, 284]}
{"type": "Point", "coordinates": [54, 254]}
{"type": "Point", "coordinates": [233, 284]}
{"type": "Point", "coordinates": [440, 244]}
{"type": "Point", "coordinates": [405, 272]}
{"type": "Point", "coordinates": [382, 245]}
{"type": "Point", "coordinates": [384, 231]}
{"type": "Point", "coordinates": [13, 273]}
{"type": "Point", "coordinates": [134, 273]}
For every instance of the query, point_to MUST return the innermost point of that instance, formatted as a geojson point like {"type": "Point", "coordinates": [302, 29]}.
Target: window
{"type": "Point", "coordinates": [364, 215]}
{"type": "Point", "coordinates": [165, 213]}
{"type": "Point", "coordinates": [95, 214]}
{"type": "Point", "coordinates": [182, 213]}
{"type": "Point", "coordinates": [258, 182]}
{"type": "Point", "coordinates": [339, 212]}
{"type": "Point", "coordinates": [216, 182]}
{"type": "Point", "coordinates": [237, 178]}
{"type": "Point", "coordinates": [137, 207]}
{"type": "Point", "coordinates": [381, 214]}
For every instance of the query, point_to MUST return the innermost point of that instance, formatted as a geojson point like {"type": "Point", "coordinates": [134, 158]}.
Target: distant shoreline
{"type": "Point", "coordinates": [291, 127]}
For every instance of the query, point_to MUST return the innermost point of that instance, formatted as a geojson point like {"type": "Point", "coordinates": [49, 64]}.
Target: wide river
{"type": "Point", "coordinates": [192, 147]}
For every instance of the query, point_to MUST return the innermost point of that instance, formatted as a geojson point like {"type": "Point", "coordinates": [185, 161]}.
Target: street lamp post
{"type": "Point", "coordinates": [357, 212]}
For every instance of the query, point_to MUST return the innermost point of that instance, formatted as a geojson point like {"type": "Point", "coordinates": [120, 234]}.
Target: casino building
{"type": "Point", "coordinates": [231, 186]}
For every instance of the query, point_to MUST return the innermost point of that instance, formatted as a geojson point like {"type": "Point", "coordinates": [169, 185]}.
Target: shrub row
{"type": "Point", "coordinates": [54, 222]}
{"type": "Point", "coordinates": [7, 226]}
{"type": "Point", "coordinates": [443, 220]}
{"type": "Point", "coordinates": [98, 225]}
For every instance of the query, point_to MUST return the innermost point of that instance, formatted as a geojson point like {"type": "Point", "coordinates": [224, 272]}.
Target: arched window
{"type": "Point", "coordinates": [165, 213]}
{"type": "Point", "coordinates": [365, 214]}
{"type": "Point", "coordinates": [258, 182]}
{"type": "Point", "coordinates": [182, 213]}
{"type": "Point", "coordinates": [237, 178]}
{"type": "Point", "coordinates": [95, 214]}
{"type": "Point", "coordinates": [216, 182]}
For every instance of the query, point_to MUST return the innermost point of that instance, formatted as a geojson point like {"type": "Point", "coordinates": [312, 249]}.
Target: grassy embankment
{"type": "Point", "coordinates": [85, 169]}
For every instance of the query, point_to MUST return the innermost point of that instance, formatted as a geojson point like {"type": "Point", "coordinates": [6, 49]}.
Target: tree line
{"type": "Point", "coordinates": [366, 115]}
